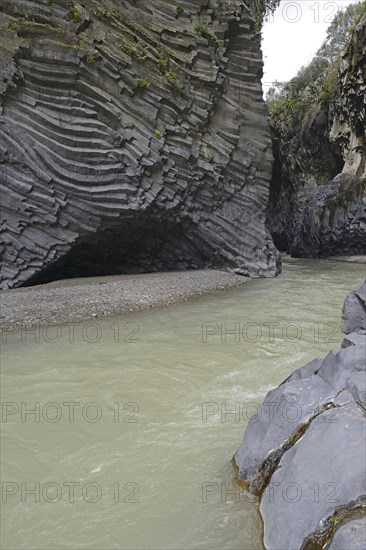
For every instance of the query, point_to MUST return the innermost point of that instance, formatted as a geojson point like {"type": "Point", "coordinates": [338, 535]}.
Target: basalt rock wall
{"type": "Point", "coordinates": [134, 138]}
{"type": "Point", "coordinates": [317, 203]}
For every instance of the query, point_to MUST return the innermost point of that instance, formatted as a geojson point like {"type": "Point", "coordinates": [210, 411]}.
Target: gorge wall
{"type": "Point", "coordinates": [134, 138]}
{"type": "Point", "coordinates": [318, 199]}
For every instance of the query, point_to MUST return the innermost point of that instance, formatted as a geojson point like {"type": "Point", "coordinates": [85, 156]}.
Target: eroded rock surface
{"type": "Point", "coordinates": [303, 453]}
{"type": "Point", "coordinates": [319, 476]}
{"type": "Point", "coordinates": [134, 137]}
{"type": "Point", "coordinates": [354, 310]}
{"type": "Point", "coordinates": [317, 204]}
{"type": "Point", "coordinates": [351, 535]}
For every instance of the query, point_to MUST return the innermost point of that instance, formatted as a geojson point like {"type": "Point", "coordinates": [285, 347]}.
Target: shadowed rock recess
{"type": "Point", "coordinates": [133, 138]}
{"type": "Point", "coordinates": [317, 205]}
{"type": "Point", "coordinates": [303, 453]}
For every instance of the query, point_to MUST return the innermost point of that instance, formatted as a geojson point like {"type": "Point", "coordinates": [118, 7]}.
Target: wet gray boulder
{"type": "Point", "coordinates": [354, 338]}
{"type": "Point", "coordinates": [318, 479]}
{"type": "Point", "coordinates": [303, 453]}
{"type": "Point", "coordinates": [354, 310]}
{"type": "Point", "coordinates": [340, 365]}
{"type": "Point", "coordinates": [350, 536]}
{"type": "Point", "coordinates": [286, 411]}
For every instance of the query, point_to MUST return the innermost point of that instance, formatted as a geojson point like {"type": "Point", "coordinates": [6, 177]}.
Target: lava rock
{"type": "Point", "coordinates": [317, 205]}
{"type": "Point", "coordinates": [350, 536]}
{"type": "Point", "coordinates": [285, 411]}
{"type": "Point", "coordinates": [132, 141]}
{"type": "Point", "coordinates": [340, 365]}
{"type": "Point", "coordinates": [354, 310]}
{"type": "Point", "coordinates": [322, 473]}
{"type": "Point", "coordinates": [354, 339]}
{"type": "Point", "coordinates": [303, 453]}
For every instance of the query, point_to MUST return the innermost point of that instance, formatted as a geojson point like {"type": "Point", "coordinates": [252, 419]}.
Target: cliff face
{"type": "Point", "coordinates": [134, 138]}
{"type": "Point", "coordinates": [348, 129]}
{"type": "Point", "coordinates": [318, 203]}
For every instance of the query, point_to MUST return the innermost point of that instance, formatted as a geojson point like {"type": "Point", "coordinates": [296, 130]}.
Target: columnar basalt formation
{"type": "Point", "coordinates": [303, 453]}
{"type": "Point", "coordinates": [317, 204]}
{"type": "Point", "coordinates": [133, 138]}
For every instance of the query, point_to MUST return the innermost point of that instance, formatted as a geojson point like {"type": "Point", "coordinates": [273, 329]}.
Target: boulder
{"type": "Point", "coordinates": [303, 453]}
{"type": "Point", "coordinates": [350, 536]}
{"type": "Point", "coordinates": [286, 411]}
{"type": "Point", "coordinates": [319, 477]}
{"type": "Point", "coordinates": [354, 310]}
{"type": "Point", "coordinates": [354, 338]}
{"type": "Point", "coordinates": [340, 365]}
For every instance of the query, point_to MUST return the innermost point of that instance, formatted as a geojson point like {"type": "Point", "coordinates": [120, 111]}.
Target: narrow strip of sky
{"type": "Point", "coordinates": [292, 36]}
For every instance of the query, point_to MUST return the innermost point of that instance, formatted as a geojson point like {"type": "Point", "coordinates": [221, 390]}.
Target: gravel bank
{"type": "Point", "coordinates": [76, 300]}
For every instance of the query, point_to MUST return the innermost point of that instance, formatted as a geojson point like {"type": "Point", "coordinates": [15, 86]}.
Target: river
{"type": "Point", "coordinates": [119, 433]}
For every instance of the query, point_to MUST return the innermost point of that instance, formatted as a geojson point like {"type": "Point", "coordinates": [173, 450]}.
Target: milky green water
{"type": "Point", "coordinates": [129, 446]}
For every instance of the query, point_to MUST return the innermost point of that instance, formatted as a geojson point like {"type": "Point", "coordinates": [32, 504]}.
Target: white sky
{"type": "Point", "coordinates": [293, 35]}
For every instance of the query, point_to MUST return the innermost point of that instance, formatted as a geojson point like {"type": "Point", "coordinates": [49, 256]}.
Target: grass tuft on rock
{"type": "Point", "coordinates": [143, 83]}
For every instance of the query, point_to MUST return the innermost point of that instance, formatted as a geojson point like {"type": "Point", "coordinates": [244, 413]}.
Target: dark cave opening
{"type": "Point", "coordinates": [132, 247]}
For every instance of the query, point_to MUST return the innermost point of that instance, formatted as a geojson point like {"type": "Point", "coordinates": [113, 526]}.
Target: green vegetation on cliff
{"type": "Point", "coordinates": [261, 9]}
{"type": "Point", "coordinates": [317, 82]}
